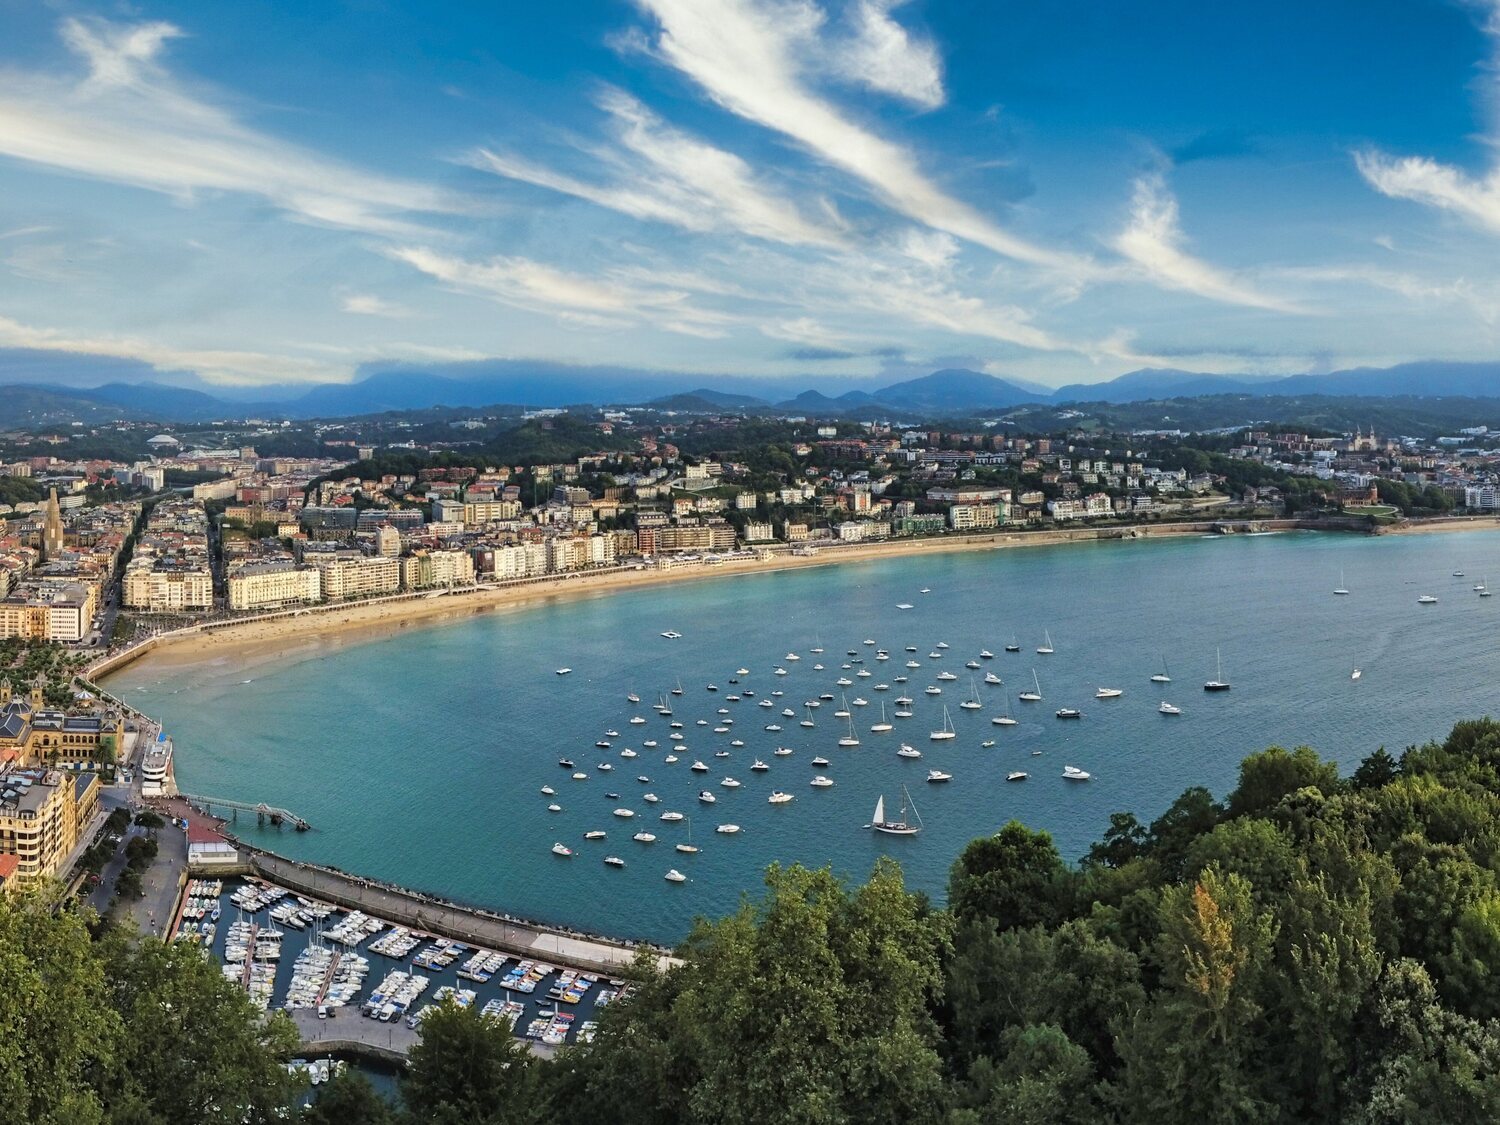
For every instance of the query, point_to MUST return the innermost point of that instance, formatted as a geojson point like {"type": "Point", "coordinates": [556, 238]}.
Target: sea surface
{"type": "Point", "coordinates": [420, 757]}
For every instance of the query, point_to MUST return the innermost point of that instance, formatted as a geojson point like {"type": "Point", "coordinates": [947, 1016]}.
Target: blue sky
{"type": "Point", "coordinates": [273, 193]}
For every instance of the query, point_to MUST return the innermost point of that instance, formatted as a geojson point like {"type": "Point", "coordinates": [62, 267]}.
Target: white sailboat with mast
{"type": "Point", "coordinates": [947, 732]}
{"type": "Point", "coordinates": [900, 825]}
{"type": "Point", "coordinates": [884, 724]}
{"type": "Point", "coordinates": [1218, 683]}
{"type": "Point", "coordinates": [1032, 696]}
{"type": "Point", "coordinates": [1342, 589]}
{"type": "Point", "coordinates": [1046, 649]}
{"type": "Point", "coordinates": [1162, 677]}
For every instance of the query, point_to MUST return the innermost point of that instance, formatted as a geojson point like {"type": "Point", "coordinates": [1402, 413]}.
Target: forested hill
{"type": "Point", "coordinates": [1309, 949]}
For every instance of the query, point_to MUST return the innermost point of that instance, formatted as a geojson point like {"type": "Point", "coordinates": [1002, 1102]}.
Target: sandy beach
{"type": "Point", "coordinates": [320, 629]}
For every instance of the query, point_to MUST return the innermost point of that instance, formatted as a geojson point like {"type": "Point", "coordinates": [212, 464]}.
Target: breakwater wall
{"type": "Point", "coordinates": [457, 921]}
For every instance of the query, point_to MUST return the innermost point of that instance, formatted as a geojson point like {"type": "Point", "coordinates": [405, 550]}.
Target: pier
{"type": "Point", "coordinates": [264, 813]}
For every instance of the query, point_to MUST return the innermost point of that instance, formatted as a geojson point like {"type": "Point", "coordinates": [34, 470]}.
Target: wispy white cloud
{"type": "Point", "coordinates": [214, 365]}
{"type": "Point", "coordinates": [127, 120]}
{"type": "Point", "coordinates": [750, 57]}
{"type": "Point", "coordinates": [534, 286]}
{"type": "Point", "coordinates": [1482, 298]}
{"type": "Point", "coordinates": [367, 304]}
{"type": "Point", "coordinates": [1421, 179]}
{"type": "Point", "coordinates": [1153, 240]}
{"type": "Point", "coordinates": [884, 56]}
{"type": "Point", "coordinates": [666, 175]}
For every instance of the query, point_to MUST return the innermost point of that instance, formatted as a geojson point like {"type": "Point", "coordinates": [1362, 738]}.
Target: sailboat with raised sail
{"type": "Point", "coordinates": [1046, 649]}
{"type": "Point", "coordinates": [849, 740]}
{"type": "Point", "coordinates": [1342, 589]}
{"type": "Point", "coordinates": [947, 732]}
{"type": "Point", "coordinates": [1218, 683]}
{"type": "Point", "coordinates": [1032, 696]}
{"type": "Point", "coordinates": [900, 825]}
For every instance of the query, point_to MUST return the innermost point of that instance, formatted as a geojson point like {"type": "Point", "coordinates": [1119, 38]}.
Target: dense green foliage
{"type": "Point", "coordinates": [1310, 948]}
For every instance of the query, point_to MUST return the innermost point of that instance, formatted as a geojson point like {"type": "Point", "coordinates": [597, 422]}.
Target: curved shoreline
{"type": "Point", "coordinates": [318, 626]}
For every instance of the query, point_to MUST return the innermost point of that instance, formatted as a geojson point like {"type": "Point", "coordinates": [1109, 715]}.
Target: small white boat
{"type": "Point", "coordinates": [580, 776]}
{"type": "Point", "coordinates": [1069, 713]}
{"type": "Point", "coordinates": [670, 758]}
{"type": "Point", "coordinates": [671, 817]}
{"type": "Point", "coordinates": [1108, 693]}
{"type": "Point", "coordinates": [1162, 677]}
{"type": "Point", "coordinates": [993, 680]}
{"type": "Point", "coordinates": [782, 751]}
{"type": "Point", "coordinates": [1167, 709]}
{"type": "Point", "coordinates": [1355, 674]}
{"type": "Point", "coordinates": [554, 808]}
{"type": "Point", "coordinates": [625, 814]}
{"type": "Point", "coordinates": [986, 654]}
{"type": "Point", "coordinates": [933, 689]}
{"type": "Point", "coordinates": [637, 720]}
{"type": "Point", "coordinates": [758, 765]}
{"type": "Point", "coordinates": [561, 849]}
{"type": "Point", "coordinates": [650, 798]}
{"type": "Point", "coordinates": [1219, 683]}
{"type": "Point", "coordinates": [904, 605]}
{"type": "Point", "coordinates": [1032, 696]}
{"type": "Point", "coordinates": [729, 783]}
{"type": "Point", "coordinates": [727, 829]}
{"type": "Point", "coordinates": [675, 876]}
{"type": "Point", "coordinates": [698, 767]}
{"type": "Point", "coordinates": [742, 671]}
{"type": "Point", "coordinates": [644, 837]}
{"type": "Point", "coordinates": [632, 697]}
{"type": "Point", "coordinates": [594, 835]}
{"type": "Point", "coordinates": [821, 781]}
{"type": "Point", "coordinates": [1073, 773]}
{"type": "Point", "coordinates": [548, 791]}
{"type": "Point", "coordinates": [628, 753]}
{"type": "Point", "coordinates": [819, 762]}
{"type": "Point", "coordinates": [907, 751]}
{"type": "Point", "coordinates": [1341, 589]}
{"type": "Point", "coordinates": [1017, 775]}
{"type": "Point", "coordinates": [1427, 599]}
{"type": "Point", "coordinates": [614, 861]}
{"type": "Point", "coordinates": [1046, 649]}
{"type": "Point", "coordinates": [849, 740]}
{"type": "Point", "coordinates": [706, 797]}
{"type": "Point", "coordinates": [564, 672]}
{"type": "Point", "coordinates": [936, 776]}
{"type": "Point", "coordinates": [777, 797]}
{"type": "Point", "coordinates": [898, 825]}
{"type": "Point", "coordinates": [884, 724]}
{"type": "Point", "coordinates": [1005, 720]}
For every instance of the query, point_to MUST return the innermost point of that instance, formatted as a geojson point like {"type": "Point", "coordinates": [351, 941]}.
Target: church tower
{"type": "Point", "coordinates": [52, 530]}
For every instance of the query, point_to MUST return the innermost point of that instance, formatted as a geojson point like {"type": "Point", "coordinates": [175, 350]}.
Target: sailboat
{"type": "Point", "coordinates": [1032, 696]}
{"type": "Point", "coordinates": [972, 703]}
{"type": "Point", "coordinates": [1342, 589]}
{"type": "Point", "coordinates": [947, 731]}
{"type": "Point", "coordinates": [1005, 720]}
{"type": "Point", "coordinates": [1014, 646]}
{"type": "Point", "coordinates": [678, 689]}
{"type": "Point", "coordinates": [884, 724]}
{"type": "Point", "coordinates": [849, 740]}
{"type": "Point", "coordinates": [1046, 649]}
{"type": "Point", "coordinates": [1355, 674]}
{"type": "Point", "coordinates": [900, 825]}
{"type": "Point", "coordinates": [1162, 677]}
{"type": "Point", "coordinates": [689, 848]}
{"type": "Point", "coordinates": [1218, 683]}
{"type": "Point", "coordinates": [808, 722]}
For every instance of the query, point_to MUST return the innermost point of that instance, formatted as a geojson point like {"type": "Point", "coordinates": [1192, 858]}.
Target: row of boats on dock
{"type": "Point", "coordinates": [330, 971]}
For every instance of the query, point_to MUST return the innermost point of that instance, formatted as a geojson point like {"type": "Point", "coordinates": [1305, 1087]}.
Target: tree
{"type": "Point", "coordinates": [1172, 834]}
{"type": "Point", "coordinates": [194, 1047]}
{"type": "Point", "coordinates": [812, 1006]}
{"type": "Point", "coordinates": [1040, 1078]}
{"type": "Point", "coordinates": [1375, 771]}
{"type": "Point", "coordinates": [1271, 774]}
{"type": "Point", "coordinates": [1124, 840]}
{"type": "Point", "coordinates": [468, 1069]}
{"type": "Point", "coordinates": [56, 1026]}
{"type": "Point", "coordinates": [1014, 878]}
{"type": "Point", "coordinates": [349, 1099]}
{"type": "Point", "coordinates": [1421, 1062]}
{"type": "Point", "coordinates": [1190, 1055]}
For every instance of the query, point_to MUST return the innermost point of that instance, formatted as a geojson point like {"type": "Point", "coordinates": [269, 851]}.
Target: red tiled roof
{"type": "Point", "coordinates": [8, 866]}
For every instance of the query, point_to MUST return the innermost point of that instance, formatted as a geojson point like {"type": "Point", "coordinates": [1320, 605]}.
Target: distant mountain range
{"type": "Point", "coordinates": [952, 391]}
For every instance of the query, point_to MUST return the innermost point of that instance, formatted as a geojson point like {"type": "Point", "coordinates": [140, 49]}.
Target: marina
{"type": "Point", "coordinates": [1289, 647]}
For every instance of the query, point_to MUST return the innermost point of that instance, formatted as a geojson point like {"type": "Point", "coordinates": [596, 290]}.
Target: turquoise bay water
{"type": "Point", "coordinates": [419, 756]}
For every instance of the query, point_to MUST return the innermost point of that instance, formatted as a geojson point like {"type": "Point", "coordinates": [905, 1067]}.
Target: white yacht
{"type": "Point", "coordinates": [907, 751]}
{"type": "Point", "coordinates": [1108, 693]}
{"type": "Point", "coordinates": [1426, 599]}
{"type": "Point", "coordinates": [727, 829]}
{"type": "Point", "coordinates": [1017, 775]}
{"type": "Point", "coordinates": [1167, 709]}
{"type": "Point", "coordinates": [777, 797]}
{"type": "Point", "coordinates": [561, 849]}
{"type": "Point", "coordinates": [821, 781]}
{"type": "Point", "coordinates": [1073, 773]}
{"type": "Point", "coordinates": [935, 777]}
{"type": "Point", "coordinates": [675, 876]}
{"type": "Point", "coordinates": [644, 837]}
